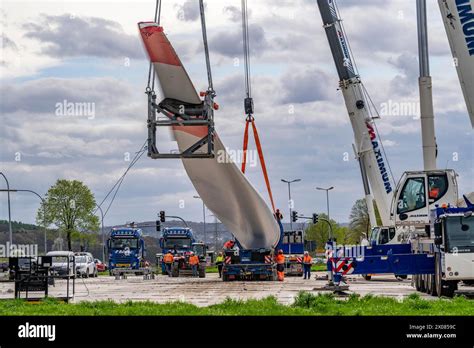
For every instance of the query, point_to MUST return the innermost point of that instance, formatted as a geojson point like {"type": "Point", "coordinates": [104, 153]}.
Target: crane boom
{"type": "Point", "coordinates": [458, 18]}
{"type": "Point", "coordinates": [428, 137]}
{"type": "Point", "coordinates": [368, 146]}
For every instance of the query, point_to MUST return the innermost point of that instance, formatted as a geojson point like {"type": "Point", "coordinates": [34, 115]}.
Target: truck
{"type": "Point", "coordinates": [180, 241]}
{"type": "Point", "coordinates": [293, 245]}
{"type": "Point", "coordinates": [451, 241]}
{"type": "Point", "coordinates": [438, 261]}
{"type": "Point", "coordinates": [251, 264]}
{"type": "Point", "coordinates": [126, 248]}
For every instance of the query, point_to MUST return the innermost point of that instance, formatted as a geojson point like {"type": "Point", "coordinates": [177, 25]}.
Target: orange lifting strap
{"type": "Point", "coordinates": [251, 120]}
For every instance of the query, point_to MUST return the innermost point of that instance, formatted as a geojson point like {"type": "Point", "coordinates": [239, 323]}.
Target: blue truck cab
{"type": "Point", "coordinates": [126, 248]}
{"type": "Point", "coordinates": [180, 241]}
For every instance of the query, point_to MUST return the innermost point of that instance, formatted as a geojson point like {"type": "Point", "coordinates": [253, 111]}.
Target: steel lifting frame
{"type": "Point", "coordinates": [171, 119]}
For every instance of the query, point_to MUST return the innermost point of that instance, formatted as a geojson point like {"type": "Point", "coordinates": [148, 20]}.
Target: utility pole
{"type": "Point", "coordinates": [9, 209]}
{"type": "Point", "coordinates": [290, 202]}
{"type": "Point", "coordinates": [44, 211]}
{"type": "Point", "coordinates": [327, 204]}
{"type": "Point", "coordinates": [103, 235]}
{"type": "Point", "coordinates": [203, 216]}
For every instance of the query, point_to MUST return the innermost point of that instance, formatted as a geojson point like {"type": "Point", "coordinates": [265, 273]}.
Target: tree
{"type": "Point", "coordinates": [320, 231]}
{"type": "Point", "coordinates": [69, 205]}
{"type": "Point", "coordinates": [360, 221]}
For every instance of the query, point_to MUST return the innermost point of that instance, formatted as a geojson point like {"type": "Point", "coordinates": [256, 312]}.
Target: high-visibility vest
{"type": "Point", "coordinates": [280, 258]}
{"type": "Point", "coordinates": [307, 259]}
{"type": "Point", "coordinates": [219, 259]}
{"type": "Point", "coordinates": [194, 260]}
{"type": "Point", "coordinates": [168, 258]}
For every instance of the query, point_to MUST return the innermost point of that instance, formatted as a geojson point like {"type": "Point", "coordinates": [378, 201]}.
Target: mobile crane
{"type": "Point", "coordinates": [424, 200]}
{"type": "Point", "coordinates": [407, 205]}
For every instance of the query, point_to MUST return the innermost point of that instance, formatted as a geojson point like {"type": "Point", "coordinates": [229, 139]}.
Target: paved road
{"type": "Point", "coordinates": [211, 290]}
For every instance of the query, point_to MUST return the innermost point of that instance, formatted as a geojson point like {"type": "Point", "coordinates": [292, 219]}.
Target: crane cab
{"type": "Point", "coordinates": [418, 192]}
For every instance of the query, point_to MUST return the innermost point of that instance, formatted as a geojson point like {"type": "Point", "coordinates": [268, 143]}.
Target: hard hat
{"type": "Point", "coordinates": [306, 252]}
{"type": "Point", "coordinates": [280, 251]}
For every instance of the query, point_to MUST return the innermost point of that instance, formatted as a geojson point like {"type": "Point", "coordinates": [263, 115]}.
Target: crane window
{"type": "Point", "coordinates": [412, 196]}
{"type": "Point", "coordinates": [437, 186]}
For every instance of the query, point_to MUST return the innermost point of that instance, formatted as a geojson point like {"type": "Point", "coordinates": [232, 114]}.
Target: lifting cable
{"type": "Point", "coordinates": [248, 105]}
{"type": "Point", "coordinates": [206, 48]}
{"type": "Point", "coordinates": [150, 67]}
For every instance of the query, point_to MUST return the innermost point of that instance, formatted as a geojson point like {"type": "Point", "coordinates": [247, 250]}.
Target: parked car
{"type": "Point", "coordinates": [101, 267]}
{"type": "Point", "coordinates": [61, 261]}
{"type": "Point", "coordinates": [3, 266]}
{"type": "Point", "coordinates": [85, 265]}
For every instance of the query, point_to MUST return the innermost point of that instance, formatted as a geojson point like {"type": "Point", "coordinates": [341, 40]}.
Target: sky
{"type": "Point", "coordinates": [90, 52]}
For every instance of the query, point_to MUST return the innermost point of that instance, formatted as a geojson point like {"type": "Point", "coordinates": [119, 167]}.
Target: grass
{"type": "Point", "coordinates": [304, 304]}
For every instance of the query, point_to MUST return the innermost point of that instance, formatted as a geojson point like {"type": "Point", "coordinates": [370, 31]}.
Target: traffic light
{"type": "Point", "coordinates": [294, 216]}
{"type": "Point", "coordinates": [162, 216]}
{"type": "Point", "coordinates": [158, 225]}
{"type": "Point", "coordinates": [315, 218]}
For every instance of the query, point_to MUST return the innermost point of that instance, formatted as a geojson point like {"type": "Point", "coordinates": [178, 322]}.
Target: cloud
{"type": "Point", "coordinates": [44, 94]}
{"type": "Point", "coordinates": [69, 36]}
{"type": "Point", "coordinates": [305, 86]}
{"type": "Point", "coordinates": [234, 13]}
{"type": "Point", "coordinates": [405, 83]}
{"type": "Point", "coordinates": [189, 11]}
{"type": "Point", "coordinates": [229, 43]}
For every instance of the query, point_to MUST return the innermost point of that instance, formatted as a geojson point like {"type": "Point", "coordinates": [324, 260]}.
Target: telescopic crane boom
{"type": "Point", "coordinates": [367, 143]}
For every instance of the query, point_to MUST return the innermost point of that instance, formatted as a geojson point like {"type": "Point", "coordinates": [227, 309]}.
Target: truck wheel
{"type": "Point", "coordinates": [367, 277]}
{"type": "Point", "coordinates": [431, 285]}
{"type": "Point", "coordinates": [202, 272]}
{"type": "Point", "coordinates": [225, 277]}
{"type": "Point", "coordinates": [443, 287]}
{"type": "Point", "coordinates": [416, 281]}
{"type": "Point", "coordinates": [175, 272]}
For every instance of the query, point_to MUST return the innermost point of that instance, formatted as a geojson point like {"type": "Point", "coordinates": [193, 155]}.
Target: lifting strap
{"type": "Point", "coordinates": [248, 106]}
{"type": "Point", "coordinates": [251, 120]}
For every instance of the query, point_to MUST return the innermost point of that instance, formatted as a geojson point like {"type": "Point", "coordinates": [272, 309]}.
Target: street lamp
{"type": "Point", "coordinates": [203, 216]}
{"type": "Point", "coordinates": [103, 236]}
{"type": "Point", "coordinates": [9, 210]}
{"type": "Point", "coordinates": [289, 182]}
{"type": "Point", "coordinates": [44, 212]}
{"type": "Point", "coordinates": [327, 196]}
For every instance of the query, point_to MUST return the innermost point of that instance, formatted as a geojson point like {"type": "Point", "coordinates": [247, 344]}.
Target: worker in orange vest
{"type": "Point", "coordinates": [168, 259]}
{"type": "Point", "coordinates": [194, 262]}
{"type": "Point", "coordinates": [280, 261]}
{"type": "Point", "coordinates": [229, 245]}
{"type": "Point", "coordinates": [307, 262]}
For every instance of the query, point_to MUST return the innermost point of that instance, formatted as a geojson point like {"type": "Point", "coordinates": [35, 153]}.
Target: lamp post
{"type": "Point", "coordinates": [9, 210]}
{"type": "Point", "coordinates": [289, 182]}
{"type": "Point", "coordinates": [102, 227]}
{"type": "Point", "coordinates": [44, 212]}
{"type": "Point", "coordinates": [203, 216]}
{"type": "Point", "coordinates": [327, 200]}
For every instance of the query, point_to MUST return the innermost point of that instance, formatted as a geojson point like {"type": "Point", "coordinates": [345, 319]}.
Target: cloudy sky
{"type": "Point", "coordinates": [89, 51]}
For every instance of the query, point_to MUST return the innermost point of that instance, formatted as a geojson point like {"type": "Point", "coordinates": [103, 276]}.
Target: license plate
{"type": "Point", "coordinates": [123, 265]}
